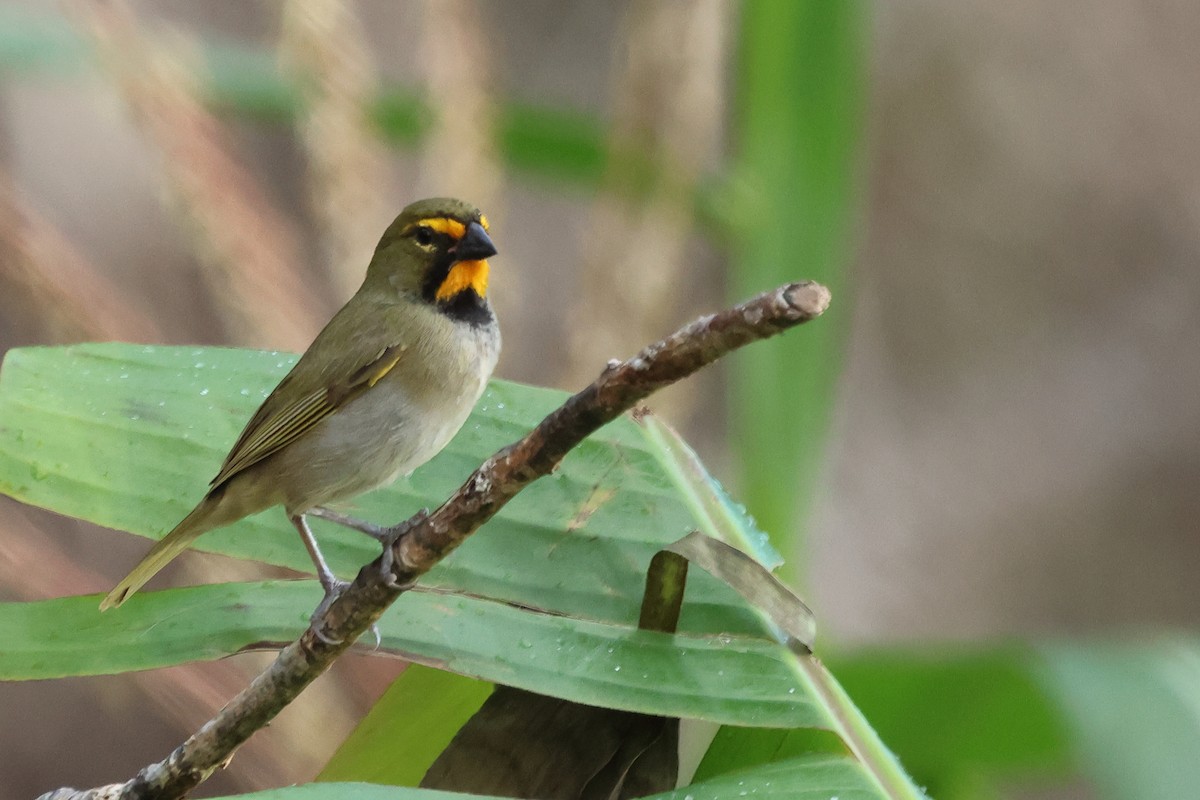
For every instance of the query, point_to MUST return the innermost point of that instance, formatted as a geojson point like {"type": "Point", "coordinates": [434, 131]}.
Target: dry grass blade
{"type": "Point", "coordinates": [323, 49]}
{"type": "Point", "coordinates": [459, 157]}
{"type": "Point", "coordinates": [251, 255]}
{"type": "Point", "coordinates": [667, 102]}
{"type": "Point", "coordinates": [73, 298]}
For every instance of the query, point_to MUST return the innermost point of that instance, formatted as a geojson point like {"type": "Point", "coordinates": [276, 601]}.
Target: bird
{"type": "Point", "coordinates": [382, 389]}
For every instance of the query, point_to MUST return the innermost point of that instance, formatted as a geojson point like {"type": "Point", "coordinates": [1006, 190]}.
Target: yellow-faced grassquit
{"type": "Point", "coordinates": [380, 391]}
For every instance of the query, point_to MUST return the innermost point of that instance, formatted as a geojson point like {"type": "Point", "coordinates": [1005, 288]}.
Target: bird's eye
{"type": "Point", "coordinates": [424, 236]}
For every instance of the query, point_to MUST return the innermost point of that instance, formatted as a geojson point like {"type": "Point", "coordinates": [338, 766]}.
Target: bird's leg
{"type": "Point", "coordinates": [376, 532]}
{"type": "Point", "coordinates": [329, 582]}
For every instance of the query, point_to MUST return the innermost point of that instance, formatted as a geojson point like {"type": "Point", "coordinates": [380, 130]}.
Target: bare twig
{"type": "Point", "coordinates": [429, 538]}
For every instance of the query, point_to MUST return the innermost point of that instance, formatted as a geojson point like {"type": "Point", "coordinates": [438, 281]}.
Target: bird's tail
{"type": "Point", "coordinates": [171, 545]}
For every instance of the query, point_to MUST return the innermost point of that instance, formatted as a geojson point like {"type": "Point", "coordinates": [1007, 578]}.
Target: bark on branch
{"type": "Point", "coordinates": [430, 538]}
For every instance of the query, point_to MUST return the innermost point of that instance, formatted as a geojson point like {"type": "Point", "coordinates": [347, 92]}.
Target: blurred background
{"type": "Point", "coordinates": [988, 449]}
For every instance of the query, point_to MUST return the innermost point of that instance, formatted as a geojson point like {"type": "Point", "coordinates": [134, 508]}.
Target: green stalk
{"type": "Point", "coordinates": [799, 104]}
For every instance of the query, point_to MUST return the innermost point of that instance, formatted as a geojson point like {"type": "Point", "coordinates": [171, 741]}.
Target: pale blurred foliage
{"type": "Point", "coordinates": [1015, 444]}
{"type": "Point", "coordinates": [323, 48]}
{"type": "Point", "coordinates": [669, 104]}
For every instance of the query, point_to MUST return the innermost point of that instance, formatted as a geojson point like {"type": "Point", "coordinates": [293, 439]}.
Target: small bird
{"type": "Point", "coordinates": [381, 390]}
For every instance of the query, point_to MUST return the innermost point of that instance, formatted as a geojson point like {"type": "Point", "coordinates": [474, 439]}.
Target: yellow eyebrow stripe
{"type": "Point", "coordinates": [452, 227]}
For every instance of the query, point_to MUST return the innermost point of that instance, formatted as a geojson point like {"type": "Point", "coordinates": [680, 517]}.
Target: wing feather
{"type": "Point", "coordinates": [269, 432]}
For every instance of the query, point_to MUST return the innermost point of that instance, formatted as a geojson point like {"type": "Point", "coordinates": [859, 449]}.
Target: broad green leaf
{"type": "Point", "coordinates": [956, 716]}
{"type": "Point", "coordinates": [734, 679]}
{"type": "Point", "coordinates": [417, 716]}
{"type": "Point", "coordinates": [1125, 714]}
{"type": "Point", "coordinates": [128, 437]}
{"type": "Point", "coordinates": [810, 777]}
{"type": "Point", "coordinates": [119, 433]}
{"type": "Point", "coordinates": [354, 791]}
{"type": "Point", "coordinates": [736, 749]}
{"type": "Point", "coordinates": [817, 776]}
{"type": "Point", "coordinates": [68, 636]}
{"type": "Point", "coordinates": [1133, 709]}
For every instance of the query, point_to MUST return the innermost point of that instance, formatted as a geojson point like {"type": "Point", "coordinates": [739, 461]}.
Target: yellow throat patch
{"type": "Point", "coordinates": [465, 275]}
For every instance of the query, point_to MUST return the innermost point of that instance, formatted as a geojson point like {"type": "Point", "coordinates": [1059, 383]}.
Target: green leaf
{"type": "Point", "coordinates": [737, 679]}
{"type": "Point", "coordinates": [1125, 714]}
{"type": "Point", "coordinates": [956, 716]}
{"type": "Point", "coordinates": [817, 776]}
{"type": "Point", "coordinates": [69, 636]}
{"type": "Point", "coordinates": [416, 717]}
{"type": "Point", "coordinates": [1133, 709]}
{"type": "Point", "coordinates": [736, 749]}
{"type": "Point", "coordinates": [810, 777]}
{"type": "Point", "coordinates": [355, 791]}
{"type": "Point", "coordinates": [128, 436]}
{"type": "Point", "coordinates": [123, 434]}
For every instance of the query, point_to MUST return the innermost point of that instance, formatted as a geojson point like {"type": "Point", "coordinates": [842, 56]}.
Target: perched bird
{"type": "Point", "coordinates": [380, 391]}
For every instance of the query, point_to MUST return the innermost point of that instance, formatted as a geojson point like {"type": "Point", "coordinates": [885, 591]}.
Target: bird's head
{"type": "Point", "coordinates": [437, 250]}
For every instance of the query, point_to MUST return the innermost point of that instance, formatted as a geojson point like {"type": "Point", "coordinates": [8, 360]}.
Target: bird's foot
{"type": "Point", "coordinates": [389, 539]}
{"type": "Point", "coordinates": [333, 590]}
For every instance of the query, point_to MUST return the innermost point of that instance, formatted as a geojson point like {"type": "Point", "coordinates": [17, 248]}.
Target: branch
{"type": "Point", "coordinates": [429, 538]}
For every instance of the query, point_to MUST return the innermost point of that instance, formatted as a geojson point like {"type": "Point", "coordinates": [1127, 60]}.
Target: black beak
{"type": "Point", "coordinates": [475, 245]}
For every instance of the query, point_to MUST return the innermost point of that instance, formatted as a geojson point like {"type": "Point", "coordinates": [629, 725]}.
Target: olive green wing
{"type": "Point", "coordinates": [274, 427]}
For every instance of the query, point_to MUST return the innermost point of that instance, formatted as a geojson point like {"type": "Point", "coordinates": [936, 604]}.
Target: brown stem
{"type": "Point", "coordinates": [429, 538]}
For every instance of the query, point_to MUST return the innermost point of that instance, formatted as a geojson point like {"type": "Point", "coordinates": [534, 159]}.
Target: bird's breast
{"type": "Point", "coordinates": [398, 424]}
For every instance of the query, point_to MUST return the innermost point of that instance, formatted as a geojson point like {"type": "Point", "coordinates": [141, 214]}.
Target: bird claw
{"type": "Point", "coordinates": [333, 590]}
{"type": "Point", "coordinates": [389, 539]}
{"type": "Point", "coordinates": [332, 593]}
